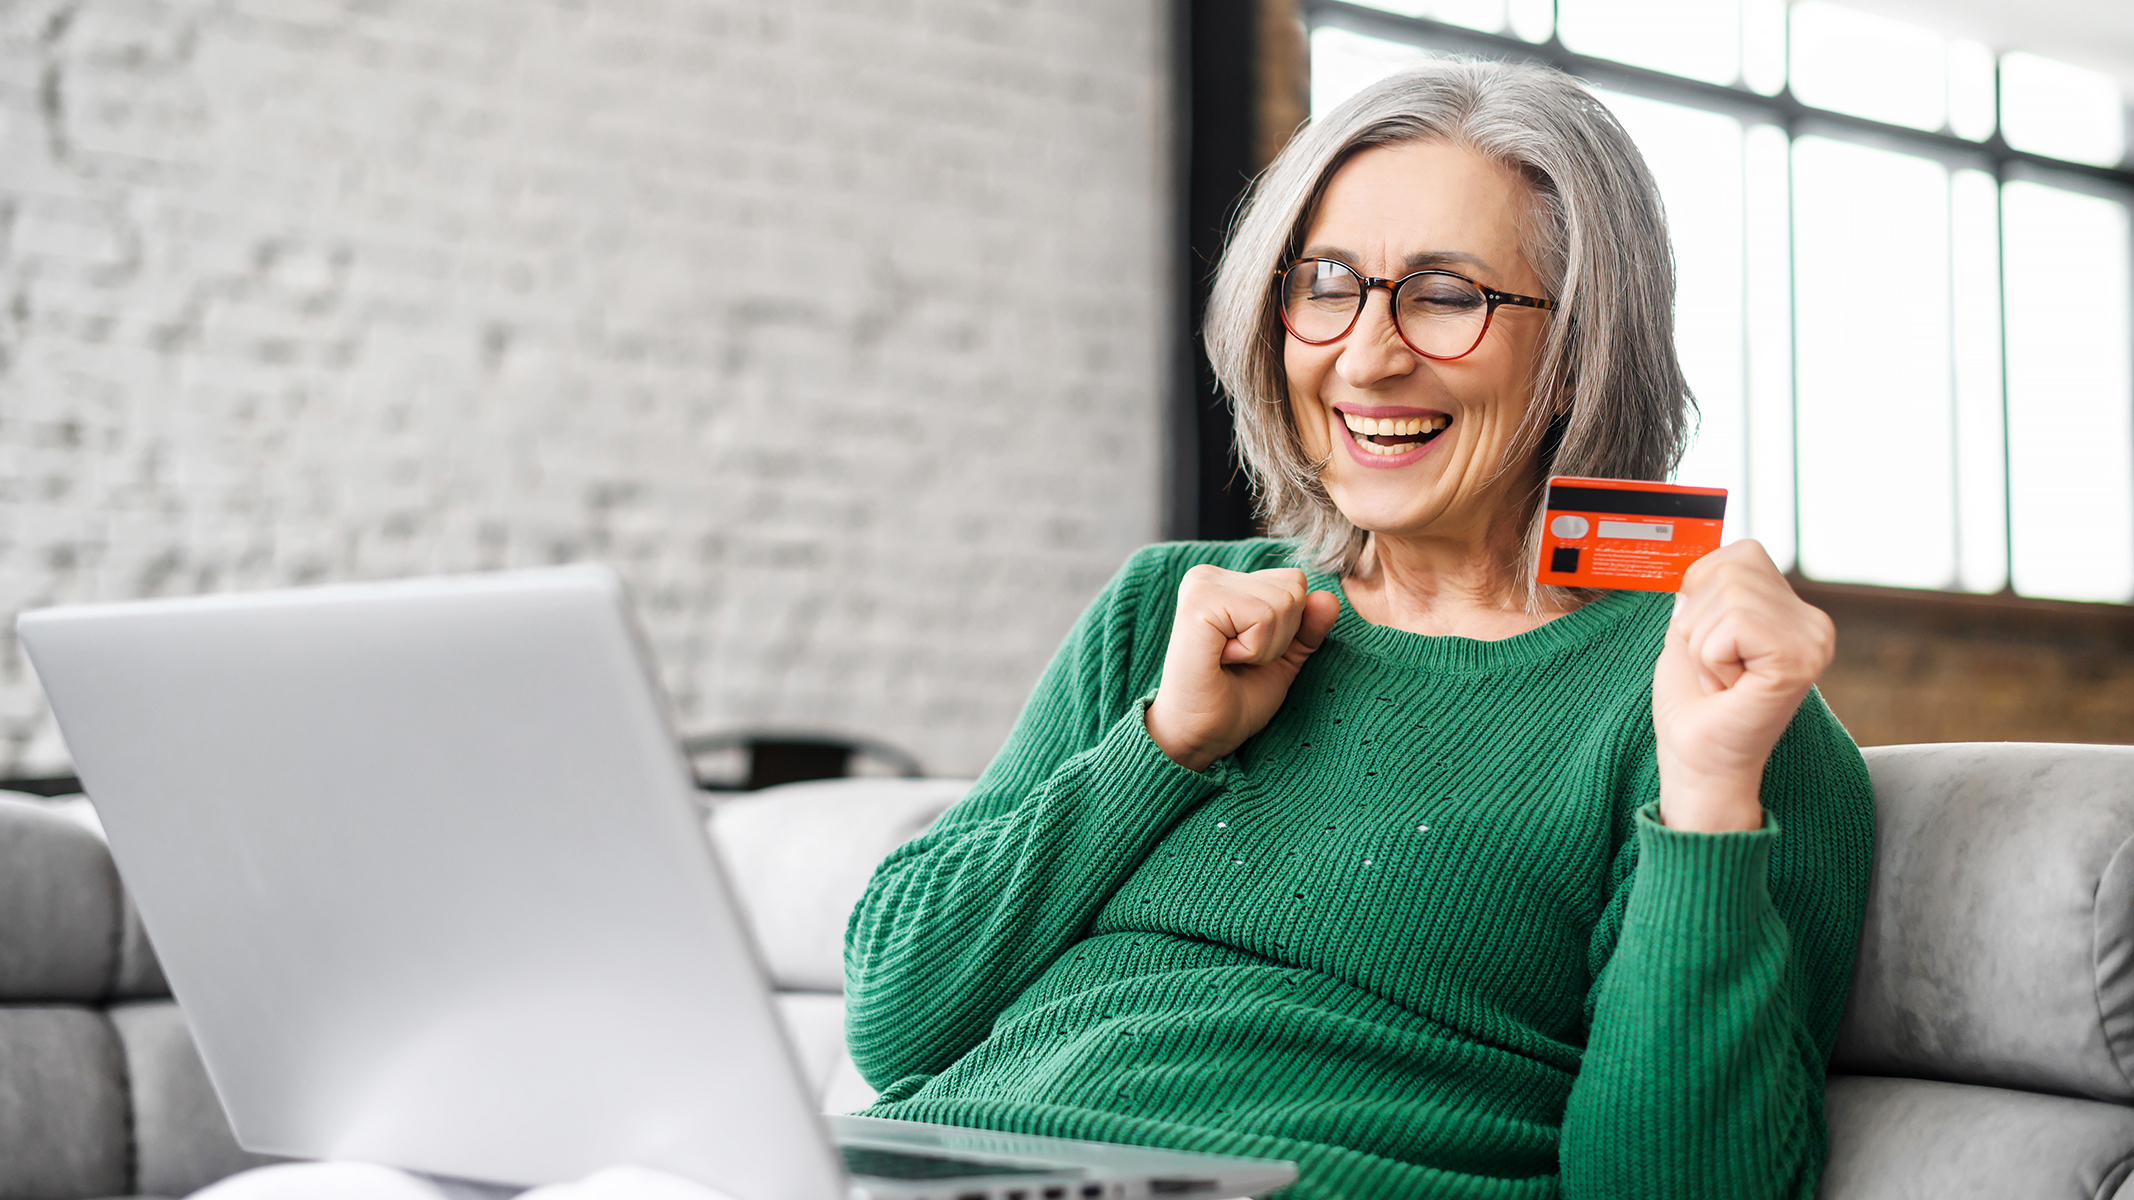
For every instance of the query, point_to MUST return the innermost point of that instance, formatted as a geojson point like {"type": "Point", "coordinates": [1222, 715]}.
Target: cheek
{"type": "Point", "coordinates": [1304, 410]}
{"type": "Point", "coordinates": [1502, 393]}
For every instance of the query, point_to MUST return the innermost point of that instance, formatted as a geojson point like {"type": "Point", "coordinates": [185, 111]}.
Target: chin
{"type": "Point", "coordinates": [1396, 518]}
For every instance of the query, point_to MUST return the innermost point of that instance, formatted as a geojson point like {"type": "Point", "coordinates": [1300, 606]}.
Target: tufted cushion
{"type": "Point", "coordinates": [182, 1141]}
{"type": "Point", "coordinates": [1998, 946]}
{"type": "Point", "coordinates": [1897, 1139]}
{"type": "Point", "coordinates": [61, 899]}
{"type": "Point", "coordinates": [799, 856]}
{"type": "Point", "coordinates": [62, 1104]}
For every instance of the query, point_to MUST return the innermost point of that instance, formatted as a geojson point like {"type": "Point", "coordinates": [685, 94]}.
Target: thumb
{"type": "Point", "coordinates": [1320, 609]}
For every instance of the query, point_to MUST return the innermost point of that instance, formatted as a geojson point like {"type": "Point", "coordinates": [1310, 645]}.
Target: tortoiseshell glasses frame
{"type": "Point", "coordinates": [1446, 321]}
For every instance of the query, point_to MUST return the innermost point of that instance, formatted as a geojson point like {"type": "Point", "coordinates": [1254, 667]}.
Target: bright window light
{"type": "Point", "coordinates": [1696, 157]}
{"type": "Point", "coordinates": [1871, 313]}
{"type": "Point", "coordinates": [2070, 389]}
{"type": "Point", "coordinates": [1406, 8]}
{"type": "Point", "coordinates": [1534, 20]}
{"type": "Point", "coordinates": [1768, 239]}
{"type": "Point", "coordinates": [1869, 66]}
{"type": "Point", "coordinates": [1908, 372]}
{"type": "Point", "coordinates": [1485, 15]}
{"type": "Point", "coordinates": [1697, 38]}
{"type": "Point", "coordinates": [1763, 45]}
{"type": "Point", "coordinates": [1975, 326]}
{"type": "Point", "coordinates": [2054, 109]}
{"type": "Point", "coordinates": [1971, 90]}
{"type": "Point", "coordinates": [1345, 63]}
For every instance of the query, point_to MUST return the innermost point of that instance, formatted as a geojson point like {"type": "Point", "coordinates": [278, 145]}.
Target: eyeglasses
{"type": "Point", "coordinates": [1439, 314]}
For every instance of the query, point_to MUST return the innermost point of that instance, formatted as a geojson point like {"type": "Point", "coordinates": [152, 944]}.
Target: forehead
{"type": "Point", "coordinates": [1390, 202]}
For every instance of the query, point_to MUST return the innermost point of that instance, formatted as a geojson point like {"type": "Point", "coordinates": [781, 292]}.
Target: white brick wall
{"type": "Point", "coordinates": [836, 325]}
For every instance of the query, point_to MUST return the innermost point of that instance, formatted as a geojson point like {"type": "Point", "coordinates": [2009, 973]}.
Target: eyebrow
{"type": "Point", "coordinates": [1418, 261]}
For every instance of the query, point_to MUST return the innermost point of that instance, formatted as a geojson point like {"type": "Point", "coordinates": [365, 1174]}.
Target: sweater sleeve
{"type": "Point", "coordinates": [958, 922]}
{"type": "Point", "coordinates": [1723, 963]}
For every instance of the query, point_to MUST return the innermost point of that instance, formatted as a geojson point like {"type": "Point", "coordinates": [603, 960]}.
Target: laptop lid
{"type": "Point", "coordinates": [424, 868]}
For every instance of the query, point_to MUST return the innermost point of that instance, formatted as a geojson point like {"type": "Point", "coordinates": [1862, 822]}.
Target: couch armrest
{"type": "Point", "coordinates": [1998, 946]}
{"type": "Point", "coordinates": [1912, 1137]}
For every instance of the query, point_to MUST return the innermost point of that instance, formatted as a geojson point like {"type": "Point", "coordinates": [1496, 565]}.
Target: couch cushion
{"type": "Point", "coordinates": [1893, 1139]}
{"type": "Point", "coordinates": [799, 856]}
{"type": "Point", "coordinates": [59, 904]}
{"type": "Point", "coordinates": [182, 1140]}
{"type": "Point", "coordinates": [137, 975]}
{"type": "Point", "coordinates": [815, 1021]}
{"type": "Point", "coordinates": [1998, 946]}
{"type": "Point", "coordinates": [62, 1104]}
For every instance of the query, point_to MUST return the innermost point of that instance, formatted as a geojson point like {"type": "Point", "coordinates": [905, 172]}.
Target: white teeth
{"type": "Point", "coordinates": [1391, 427]}
{"type": "Point", "coordinates": [1394, 426]}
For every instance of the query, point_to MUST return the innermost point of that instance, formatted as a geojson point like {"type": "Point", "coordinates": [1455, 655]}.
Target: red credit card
{"type": "Point", "coordinates": [1626, 533]}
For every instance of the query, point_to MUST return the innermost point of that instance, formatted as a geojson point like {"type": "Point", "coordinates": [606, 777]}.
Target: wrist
{"type": "Point", "coordinates": [1698, 802]}
{"type": "Point", "coordinates": [1185, 752]}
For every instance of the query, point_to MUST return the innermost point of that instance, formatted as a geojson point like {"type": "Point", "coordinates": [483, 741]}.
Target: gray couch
{"type": "Point", "coordinates": [101, 1091]}
{"type": "Point", "coordinates": [1988, 1050]}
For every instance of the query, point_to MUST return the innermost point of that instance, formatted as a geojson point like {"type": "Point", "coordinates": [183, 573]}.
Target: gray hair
{"type": "Point", "coordinates": [1613, 401]}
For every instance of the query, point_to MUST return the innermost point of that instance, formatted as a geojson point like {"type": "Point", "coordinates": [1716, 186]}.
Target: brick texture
{"type": "Point", "coordinates": [836, 326]}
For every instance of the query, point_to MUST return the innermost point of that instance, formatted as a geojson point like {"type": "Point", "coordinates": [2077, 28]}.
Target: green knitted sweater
{"type": "Point", "coordinates": [1422, 935]}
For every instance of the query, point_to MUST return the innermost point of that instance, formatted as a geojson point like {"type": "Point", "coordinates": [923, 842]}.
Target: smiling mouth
{"type": "Point", "coordinates": [1394, 435]}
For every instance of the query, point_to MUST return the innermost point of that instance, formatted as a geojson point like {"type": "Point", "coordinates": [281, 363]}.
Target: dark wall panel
{"type": "Point", "coordinates": [1218, 60]}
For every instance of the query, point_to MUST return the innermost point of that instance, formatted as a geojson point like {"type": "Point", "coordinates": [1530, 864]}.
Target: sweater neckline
{"type": "Point", "coordinates": [1454, 653]}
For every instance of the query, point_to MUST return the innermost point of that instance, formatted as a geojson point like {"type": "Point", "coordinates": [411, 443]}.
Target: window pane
{"type": "Point", "coordinates": [1534, 20]}
{"type": "Point", "coordinates": [1485, 15]}
{"type": "Point", "coordinates": [2070, 392]}
{"type": "Point", "coordinates": [1697, 38]}
{"type": "Point", "coordinates": [1763, 45]}
{"type": "Point", "coordinates": [1871, 312]}
{"type": "Point", "coordinates": [1971, 86]}
{"type": "Point", "coordinates": [1975, 322]}
{"type": "Point", "coordinates": [1406, 8]}
{"type": "Point", "coordinates": [1769, 245]}
{"type": "Point", "coordinates": [1696, 157]}
{"type": "Point", "coordinates": [1345, 63]}
{"type": "Point", "coordinates": [2066, 112]}
{"type": "Point", "coordinates": [1868, 66]}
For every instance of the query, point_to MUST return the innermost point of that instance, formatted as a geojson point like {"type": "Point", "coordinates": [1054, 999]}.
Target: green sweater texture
{"type": "Point", "coordinates": [1423, 935]}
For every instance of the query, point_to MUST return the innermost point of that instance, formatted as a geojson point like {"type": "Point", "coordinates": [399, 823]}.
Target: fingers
{"type": "Point", "coordinates": [1738, 619]}
{"type": "Point", "coordinates": [1237, 641]}
{"type": "Point", "coordinates": [1252, 616]}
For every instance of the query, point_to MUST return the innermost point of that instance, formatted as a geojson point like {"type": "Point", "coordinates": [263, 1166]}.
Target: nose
{"type": "Point", "coordinates": [1374, 352]}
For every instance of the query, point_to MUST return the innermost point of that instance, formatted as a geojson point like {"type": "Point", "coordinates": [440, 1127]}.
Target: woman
{"type": "Point", "coordinates": [1356, 846]}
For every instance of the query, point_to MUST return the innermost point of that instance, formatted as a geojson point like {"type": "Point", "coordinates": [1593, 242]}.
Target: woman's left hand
{"type": "Point", "coordinates": [1741, 653]}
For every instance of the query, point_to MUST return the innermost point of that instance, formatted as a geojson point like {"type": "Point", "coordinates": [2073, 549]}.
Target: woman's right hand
{"type": "Point", "coordinates": [1237, 644]}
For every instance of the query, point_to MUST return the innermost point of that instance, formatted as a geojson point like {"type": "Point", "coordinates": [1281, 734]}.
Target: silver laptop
{"type": "Point", "coordinates": [425, 869]}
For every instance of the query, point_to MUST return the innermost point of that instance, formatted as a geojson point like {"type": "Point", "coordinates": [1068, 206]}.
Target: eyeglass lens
{"type": "Point", "coordinates": [1438, 314]}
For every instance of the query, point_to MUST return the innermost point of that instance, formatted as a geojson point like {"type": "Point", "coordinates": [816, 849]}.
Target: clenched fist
{"type": "Point", "coordinates": [1741, 653]}
{"type": "Point", "coordinates": [1237, 644]}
